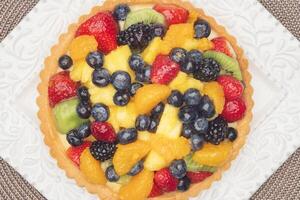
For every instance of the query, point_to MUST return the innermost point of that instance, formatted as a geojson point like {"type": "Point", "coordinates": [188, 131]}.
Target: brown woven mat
{"type": "Point", "coordinates": [284, 184]}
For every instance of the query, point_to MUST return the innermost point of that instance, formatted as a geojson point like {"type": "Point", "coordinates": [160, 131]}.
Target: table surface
{"type": "Point", "coordinates": [283, 184]}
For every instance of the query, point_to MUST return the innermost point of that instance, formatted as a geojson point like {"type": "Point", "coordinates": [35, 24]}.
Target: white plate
{"type": "Point", "coordinates": [274, 56]}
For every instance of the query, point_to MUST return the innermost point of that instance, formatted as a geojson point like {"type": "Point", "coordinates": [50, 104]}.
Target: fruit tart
{"type": "Point", "coordinates": [145, 99]}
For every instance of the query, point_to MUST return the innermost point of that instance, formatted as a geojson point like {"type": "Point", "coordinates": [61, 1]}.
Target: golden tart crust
{"type": "Point", "coordinates": [51, 136]}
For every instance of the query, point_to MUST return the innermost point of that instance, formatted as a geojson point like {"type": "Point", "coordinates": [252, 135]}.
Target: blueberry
{"type": "Point", "coordinates": [188, 67]}
{"type": "Point", "coordinates": [184, 184]}
{"type": "Point", "coordinates": [200, 125]}
{"type": "Point", "coordinates": [84, 131]}
{"type": "Point", "coordinates": [65, 62]}
{"type": "Point", "coordinates": [231, 134]}
{"type": "Point", "coordinates": [121, 80]}
{"type": "Point", "coordinates": [153, 125]}
{"type": "Point", "coordinates": [187, 130]}
{"type": "Point", "coordinates": [192, 97]}
{"type": "Point", "coordinates": [142, 122]}
{"type": "Point", "coordinates": [136, 62]}
{"type": "Point", "coordinates": [137, 168]}
{"type": "Point", "coordinates": [134, 87]}
{"type": "Point", "coordinates": [178, 168]}
{"type": "Point", "coordinates": [101, 77]}
{"type": "Point", "coordinates": [144, 74]}
{"type": "Point", "coordinates": [158, 109]}
{"type": "Point", "coordinates": [175, 98]}
{"type": "Point", "coordinates": [121, 98]}
{"type": "Point", "coordinates": [206, 107]}
{"type": "Point", "coordinates": [100, 112]}
{"type": "Point", "coordinates": [178, 55]}
{"type": "Point", "coordinates": [187, 114]}
{"type": "Point", "coordinates": [95, 59]}
{"type": "Point", "coordinates": [195, 57]}
{"type": "Point", "coordinates": [83, 94]}
{"type": "Point", "coordinates": [158, 30]}
{"type": "Point", "coordinates": [197, 141]}
{"type": "Point", "coordinates": [202, 28]}
{"type": "Point", "coordinates": [73, 138]}
{"type": "Point", "coordinates": [121, 11]}
{"type": "Point", "coordinates": [126, 136]}
{"type": "Point", "coordinates": [111, 175]}
{"type": "Point", "coordinates": [83, 110]}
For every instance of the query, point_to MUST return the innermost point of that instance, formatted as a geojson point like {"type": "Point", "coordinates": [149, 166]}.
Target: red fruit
{"type": "Point", "coordinates": [234, 110]}
{"type": "Point", "coordinates": [74, 152]}
{"type": "Point", "coordinates": [104, 28]}
{"type": "Point", "coordinates": [233, 88]}
{"type": "Point", "coordinates": [221, 45]}
{"type": "Point", "coordinates": [61, 87]}
{"type": "Point", "coordinates": [163, 70]}
{"type": "Point", "coordinates": [173, 13]}
{"type": "Point", "coordinates": [197, 177]}
{"type": "Point", "coordinates": [165, 181]}
{"type": "Point", "coordinates": [156, 191]}
{"type": "Point", "coordinates": [103, 131]}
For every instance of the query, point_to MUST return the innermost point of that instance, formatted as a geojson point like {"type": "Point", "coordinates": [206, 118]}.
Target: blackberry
{"type": "Point", "coordinates": [102, 150]}
{"type": "Point", "coordinates": [217, 131]}
{"type": "Point", "coordinates": [137, 36]}
{"type": "Point", "coordinates": [208, 70]}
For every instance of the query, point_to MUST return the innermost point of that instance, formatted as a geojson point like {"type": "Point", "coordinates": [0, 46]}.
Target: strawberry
{"type": "Point", "coordinates": [234, 110]}
{"type": "Point", "coordinates": [232, 87]}
{"type": "Point", "coordinates": [74, 152]}
{"type": "Point", "coordinates": [164, 70]}
{"type": "Point", "coordinates": [61, 87]}
{"type": "Point", "coordinates": [221, 45]}
{"type": "Point", "coordinates": [104, 28]}
{"type": "Point", "coordinates": [173, 13]}
{"type": "Point", "coordinates": [156, 191]}
{"type": "Point", "coordinates": [197, 177]}
{"type": "Point", "coordinates": [103, 131]}
{"type": "Point", "coordinates": [165, 181]}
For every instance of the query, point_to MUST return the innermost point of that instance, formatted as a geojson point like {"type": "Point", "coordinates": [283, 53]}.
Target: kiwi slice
{"type": "Point", "coordinates": [193, 166]}
{"type": "Point", "coordinates": [228, 64]}
{"type": "Point", "coordinates": [146, 15]}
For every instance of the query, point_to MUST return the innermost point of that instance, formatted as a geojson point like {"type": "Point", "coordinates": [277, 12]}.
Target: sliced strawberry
{"type": "Point", "coordinates": [173, 13]}
{"type": "Point", "coordinates": [234, 110]}
{"type": "Point", "coordinates": [197, 177]}
{"type": "Point", "coordinates": [232, 87]}
{"type": "Point", "coordinates": [221, 45]}
{"type": "Point", "coordinates": [156, 191]}
{"type": "Point", "coordinates": [61, 87]}
{"type": "Point", "coordinates": [104, 28]}
{"type": "Point", "coordinates": [74, 152]}
{"type": "Point", "coordinates": [103, 131]}
{"type": "Point", "coordinates": [164, 70]}
{"type": "Point", "coordinates": [165, 181]}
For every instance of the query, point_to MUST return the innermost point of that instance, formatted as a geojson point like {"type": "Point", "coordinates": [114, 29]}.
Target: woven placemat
{"type": "Point", "coordinates": [283, 184]}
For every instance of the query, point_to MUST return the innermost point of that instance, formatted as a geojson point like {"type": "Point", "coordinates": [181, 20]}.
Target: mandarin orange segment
{"type": "Point", "coordinates": [149, 96]}
{"type": "Point", "coordinates": [128, 155]}
{"type": "Point", "coordinates": [215, 92]}
{"type": "Point", "coordinates": [81, 46]}
{"type": "Point", "coordinates": [139, 186]}
{"type": "Point", "coordinates": [91, 168]}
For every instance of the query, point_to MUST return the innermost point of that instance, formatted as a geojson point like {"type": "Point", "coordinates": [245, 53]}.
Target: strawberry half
{"type": "Point", "coordinates": [197, 177]}
{"type": "Point", "coordinates": [156, 191]}
{"type": "Point", "coordinates": [103, 131]}
{"type": "Point", "coordinates": [104, 28]}
{"type": "Point", "coordinates": [234, 110]}
{"type": "Point", "coordinates": [74, 152]}
{"type": "Point", "coordinates": [232, 87]}
{"type": "Point", "coordinates": [173, 13]}
{"type": "Point", "coordinates": [61, 87]}
{"type": "Point", "coordinates": [165, 181]}
{"type": "Point", "coordinates": [164, 70]}
{"type": "Point", "coordinates": [221, 45]}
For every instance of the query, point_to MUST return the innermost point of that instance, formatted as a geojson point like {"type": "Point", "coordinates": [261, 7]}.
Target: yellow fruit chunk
{"type": "Point", "coordinates": [82, 72]}
{"type": "Point", "coordinates": [81, 46]}
{"type": "Point", "coordinates": [91, 168]}
{"type": "Point", "coordinates": [113, 118]}
{"type": "Point", "coordinates": [144, 135]}
{"type": "Point", "coordinates": [192, 16]}
{"type": "Point", "coordinates": [149, 96]}
{"type": "Point", "coordinates": [178, 33]}
{"type": "Point", "coordinates": [215, 92]}
{"type": "Point", "coordinates": [128, 155]}
{"type": "Point", "coordinates": [213, 155]}
{"type": "Point", "coordinates": [118, 60]}
{"type": "Point", "coordinates": [155, 161]}
{"type": "Point", "coordinates": [102, 94]}
{"type": "Point", "coordinates": [126, 115]}
{"type": "Point", "coordinates": [139, 186]}
{"type": "Point", "coordinates": [169, 126]}
{"type": "Point", "coordinates": [156, 46]}
{"type": "Point", "coordinates": [182, 82]}
{"type": "Point", "coordinates": [205, 44]}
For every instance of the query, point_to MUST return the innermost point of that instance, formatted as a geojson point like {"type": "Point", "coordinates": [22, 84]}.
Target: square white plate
{"type": "Point", "coordinates": [274, 56]}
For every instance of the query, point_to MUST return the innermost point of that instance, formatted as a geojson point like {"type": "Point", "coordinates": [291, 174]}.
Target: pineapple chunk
{"type": "Point", "coordinates": [102, 95]}
{"type": "Point", "coordinates": [154, 161]}
{"type": "Point", "coordinates": [157, 46]}
{"type": "Point", "coordinates": [182, 82]}
{"type": "Point", "coordinates": [82, 72]}
{"type": "Point", "coordinates": [144, 135]}
{"type": "Point", "coordinates": [179, 80]}
{"type": "Point", "coordinates": [170, 126]}
{"type": "Point", "coordinates": [126, 115]}
{"type": "Point", "coordinates": [190, 43]}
